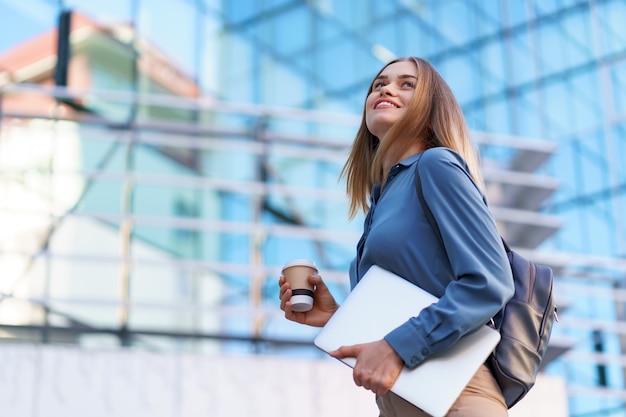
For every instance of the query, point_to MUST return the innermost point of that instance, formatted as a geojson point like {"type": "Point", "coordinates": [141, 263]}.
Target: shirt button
{"type": "Point", "coordinates": [414, 359]}
{"type": "Point", "coordinates": [424, 351]}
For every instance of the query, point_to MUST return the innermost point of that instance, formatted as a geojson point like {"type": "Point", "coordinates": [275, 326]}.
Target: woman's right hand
{"type": "Point", "coordinates": [324, 304]}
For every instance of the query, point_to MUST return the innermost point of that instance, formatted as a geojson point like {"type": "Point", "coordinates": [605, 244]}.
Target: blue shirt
{"type": "Point", "coordinates": [470, 275]}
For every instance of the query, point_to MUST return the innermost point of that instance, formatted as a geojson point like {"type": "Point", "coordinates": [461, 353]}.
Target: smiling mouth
{"type": "Point", "coordinates": [385, 105]}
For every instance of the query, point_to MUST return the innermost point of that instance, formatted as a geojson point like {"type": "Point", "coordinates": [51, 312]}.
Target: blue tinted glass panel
{"type": "Point", "coordinates": [493, 73]}
{"type": "Point", "coordinates": [429, 17]}
{"type": "Point", "coordinates": [325, 30]}
{"type": "Point", "coordinates": [416, 38]}
{"type": "Point", "coordinates": [517, 12]}
{"type": "Point", "coordinates": [612, 16]}
{"type": "Point", "coordinates": [550, 45]}
{"type": "Point", "coordinates": [578, 38]}
{"type": "Point", "coordinates": [461, 73]}
{"type": "Point", "coordinates": [593, 164]}
{"type": "Point", "coordinates": [282, 86]}
{"type": "Point", "coordinates": [522, 62]}
{"type": "Point", "coordinates": [618, 89]}
{"type": "Point", "coordinates": [182, 49]}
{"type": "Point", "coordinates": [236, 68]}
{"type": "Point", "coordinates": [271, 4]}
{"type": "Point", "coordinates": [490, 11]}
{"type": "Point", "coordinates": [336, 60]}
{"type": "Point", "coordinates": [619, 135]}
{"type": "Point", "coordinates": [457, 21]}
{"type": "Point", "coordinates": [366, 65]}
{"type": "Point", "coordinates": [381, 9]}
{"type": "Point", "coordinates": [557, 109]}
{"type": "Point", "coordinates": [385, 35]}
{"type": "Point", "coordinates": [487, 15]}
{"type": "Point", "coordinates": [238, 11]}
{"type": "Point", "coordinates": [350, 14]}
{"type": "Point", "coordinates": [475, 118]}
{"type": "Point", "coordinates": [587, 111]}
{"type": "Point", "coordinates": [545, 7]}
{"type": "Point", "coordinates": [289, 32]}
{"type": "Point", "coordinates": [497, 119]}
{"type": "Point", "coordinates": [528, 115]}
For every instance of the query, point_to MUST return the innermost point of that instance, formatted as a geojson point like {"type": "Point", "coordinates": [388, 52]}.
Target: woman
{"type": "Point", "coordinates": [411, 115]}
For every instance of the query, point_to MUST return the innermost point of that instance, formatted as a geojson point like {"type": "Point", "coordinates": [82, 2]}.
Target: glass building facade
{"type": "Point", "coordinates": [162, 161]}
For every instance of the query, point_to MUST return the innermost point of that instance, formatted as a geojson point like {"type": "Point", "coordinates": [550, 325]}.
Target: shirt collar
{"type": "Point", "coordinates": [410, 160]}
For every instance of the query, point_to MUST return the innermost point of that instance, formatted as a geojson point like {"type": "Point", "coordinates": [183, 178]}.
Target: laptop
{"type": "Point", "coordinates": [381, 302]}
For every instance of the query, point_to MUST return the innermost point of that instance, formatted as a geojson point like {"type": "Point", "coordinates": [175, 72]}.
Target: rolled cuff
{"type": "Point", "coordinates": [409, 345]}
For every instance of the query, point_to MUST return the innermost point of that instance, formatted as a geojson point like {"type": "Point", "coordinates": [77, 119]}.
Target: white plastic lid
{"type": "Point", "coordinates": [300, 262]}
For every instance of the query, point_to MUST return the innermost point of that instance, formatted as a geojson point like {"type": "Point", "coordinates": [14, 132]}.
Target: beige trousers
{"type": "Point", "coordinates": [481, 398]}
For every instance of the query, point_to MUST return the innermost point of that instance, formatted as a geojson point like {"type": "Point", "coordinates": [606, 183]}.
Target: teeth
{"type": "Point", "coordinates": [387, 103]}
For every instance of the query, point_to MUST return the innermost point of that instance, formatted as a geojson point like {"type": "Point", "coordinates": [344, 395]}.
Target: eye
{"type": "Point", "coordinates": [378, 85]}
{"type": "Point", "coordinates": [408, 84]}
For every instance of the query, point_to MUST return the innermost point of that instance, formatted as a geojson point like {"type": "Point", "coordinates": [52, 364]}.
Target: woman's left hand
{"type": "Point", "coordinates": [377, 365]}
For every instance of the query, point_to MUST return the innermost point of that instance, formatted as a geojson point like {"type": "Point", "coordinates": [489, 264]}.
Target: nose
{"type": "Point", "coordinates": [387, 90]}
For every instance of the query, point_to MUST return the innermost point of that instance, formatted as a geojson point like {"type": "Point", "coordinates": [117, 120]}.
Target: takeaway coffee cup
{"type": "Point", "coordinates": [296, 273]}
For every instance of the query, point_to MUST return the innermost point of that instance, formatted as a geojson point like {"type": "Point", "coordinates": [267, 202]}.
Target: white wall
{"type": "Point", "coordinates": [56, 381]}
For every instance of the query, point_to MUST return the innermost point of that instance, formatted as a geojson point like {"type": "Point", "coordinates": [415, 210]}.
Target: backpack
{"type": "Point", "coordinates": [525, 322]}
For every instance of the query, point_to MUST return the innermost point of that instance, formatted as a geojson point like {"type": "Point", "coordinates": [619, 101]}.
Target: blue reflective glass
{"type": "Point", "coordinates": [288, 32]}
{"type": "Point", "coordinates": [497, 117]}
{"type": "Point", "coordinates": [490, 13]}
{"type": "Point", "coordinates": [386, 35]}
{"type": "Point", "coordinates": [545, 7]}
{"type": "Point", "coordinates": [182, 48]}
{"type": "Point", "coordinates": [487, 15]}
{"type": "Point", "coordinates": [611, 16]}
{"type": "Point", "coordinates": [529, 114]}
{"type": "Point", "coordinates": [336, 60]}
{"type": "Point", "coordinates": [238, 11]}
{"type": "Point", "coordinates": [456, 21]}
{"type": "Point", "coordinates": [324, 29]}
{"type": "Point", "coordinates": [494, 75]}
{"type": "Point", "coordinates": [618, 90]}
{"type": "Point", "coordinates": [588, 113]}
{"type": "Point", "coordinates": [550, 45]}
{"type": "Point", "coordinates": [366, 65]}
{"type": "Point", "coordinates": [516, 12]}
{"type": "Point", "coordinates": [558, 113]}
{"type": "Point", "coordinates": [383, 9]}
{"type": "Point", "coordinates": [475, 118]}
{"type": "Point", "coordinates": [521, 65]}
{"type": "Point", "coordinates": [462, 73]}
{"type": "Point", "coordinates": [578, 39]}
{"type": "Point", "coordinates": [351, 15]}
{"type": "Point", "coordinates": [417, 38]}
{"type": "Point", "coordinates": [619, 149]}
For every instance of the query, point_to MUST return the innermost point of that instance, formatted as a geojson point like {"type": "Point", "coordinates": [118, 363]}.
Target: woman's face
{"type": "Point", "coordinates": [391, 94]}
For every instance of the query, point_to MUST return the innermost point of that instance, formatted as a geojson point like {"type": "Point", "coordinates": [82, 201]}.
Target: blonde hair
{"type": "Point", "coordinates": [433, 117]}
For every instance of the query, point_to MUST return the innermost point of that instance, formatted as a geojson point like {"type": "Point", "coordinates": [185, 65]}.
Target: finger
{"type": "Point", "coordinates": [364, 378]}
{"type": "Point", "coordinates": [317, 281]}
{"type": "Point", "coordinates": [284, 299]}
{"type": "Point", "coordinates": [345, 352]}
{"type": "Point", "coordinates": [380, 387]}
{"type": "Point", "coordinates": [283, 290]}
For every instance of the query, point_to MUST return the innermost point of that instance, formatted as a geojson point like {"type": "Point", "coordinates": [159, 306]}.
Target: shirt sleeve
{"type": "Point", "coordinates": [482, 283]}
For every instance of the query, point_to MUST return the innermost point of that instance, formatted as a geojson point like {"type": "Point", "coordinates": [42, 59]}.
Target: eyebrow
{"type": "Point", "coordinates": [384, 77]}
